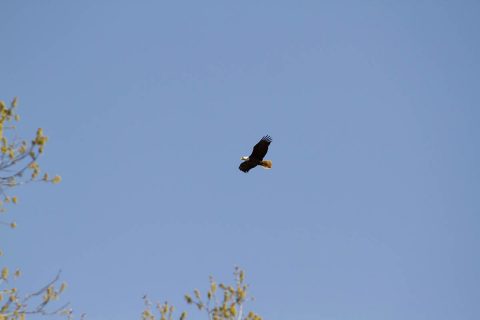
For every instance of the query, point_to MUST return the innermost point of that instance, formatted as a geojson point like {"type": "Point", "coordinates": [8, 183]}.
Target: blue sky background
{"type": "Point", "coordinates": [371, 210]}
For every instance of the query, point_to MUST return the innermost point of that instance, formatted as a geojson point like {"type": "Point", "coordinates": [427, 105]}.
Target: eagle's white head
{"type": "Point", "coordinates": [245, 158]}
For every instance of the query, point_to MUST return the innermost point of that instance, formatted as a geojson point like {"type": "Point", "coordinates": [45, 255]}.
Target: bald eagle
{"type": "Point", "coordinates": [256, 158]}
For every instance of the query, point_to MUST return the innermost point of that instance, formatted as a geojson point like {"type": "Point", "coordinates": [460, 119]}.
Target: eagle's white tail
{"type": "Point", "coordinates": [266, 164]}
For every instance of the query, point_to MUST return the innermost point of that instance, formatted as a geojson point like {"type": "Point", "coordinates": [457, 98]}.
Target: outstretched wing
{"type": "Point", "coordinates": [246, 166]}
{"type": "Point", "coordinates": [261, 148]}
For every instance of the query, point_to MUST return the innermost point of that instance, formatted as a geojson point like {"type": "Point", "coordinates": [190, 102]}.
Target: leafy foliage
{"type": "Point", "coordinates": [18, 158]}
{"type": "Point", "coordinates": [221, 302]}
{"type": "Point", "coordinates": [14, 306]}
{"type": "Point", "coordinates": [18, 165]}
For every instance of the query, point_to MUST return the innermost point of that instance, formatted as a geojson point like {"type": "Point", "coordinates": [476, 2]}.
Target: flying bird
{"type": "Point", "coordinates": [256, 158]}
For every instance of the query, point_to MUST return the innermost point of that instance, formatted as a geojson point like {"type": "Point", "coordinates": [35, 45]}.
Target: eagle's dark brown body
{"type": "Point", "coordinates": [256, 158]}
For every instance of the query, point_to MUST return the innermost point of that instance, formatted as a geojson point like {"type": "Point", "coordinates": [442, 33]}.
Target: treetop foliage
{"type": "Point", "coordinates": [18, 166]}
{"type": "Point", "coordinates": [221, 302]}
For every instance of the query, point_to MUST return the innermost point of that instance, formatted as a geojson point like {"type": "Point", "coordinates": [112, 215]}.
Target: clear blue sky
{"type": "Point", "coordinates": [371, 210]}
